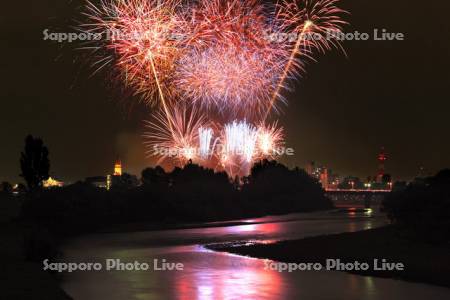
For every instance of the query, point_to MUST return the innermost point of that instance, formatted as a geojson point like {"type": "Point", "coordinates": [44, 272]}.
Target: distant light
{"type": "Point", "coordinates": [118, 169]}
{"type": "Point", "coordinates": [50, 182]}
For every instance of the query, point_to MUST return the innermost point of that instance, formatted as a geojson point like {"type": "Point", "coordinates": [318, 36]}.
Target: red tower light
{"type": "Point", "coordinates": [382, 157]}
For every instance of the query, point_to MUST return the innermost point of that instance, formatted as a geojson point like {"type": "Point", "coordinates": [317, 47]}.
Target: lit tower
{"type": "Point", "coordinates": [382, 157]}
{"type": "Point", "coordinates": [118, 168]}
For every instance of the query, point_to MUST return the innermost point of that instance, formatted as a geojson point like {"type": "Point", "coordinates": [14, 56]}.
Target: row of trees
{"type": "Point", "coordinates": [189, 194]}
{"type": "Point", "coordinates": [422, 208]}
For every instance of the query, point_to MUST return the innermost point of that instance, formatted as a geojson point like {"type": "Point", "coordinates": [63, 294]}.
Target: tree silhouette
{"type": "Point", "coordinates": [6, 187]}
{"type": "Point", "coordinates": [151, 176]}
{"type": "Point", "coordinates": [275, 188]}
{"type": "Point", "coordinates": [34, 163]}
{"type": "Point", "coordinates": [422, 208]}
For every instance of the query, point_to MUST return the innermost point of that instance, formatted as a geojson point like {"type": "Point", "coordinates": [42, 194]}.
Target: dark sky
{"type": "Point", "coordinates": [392, 94]}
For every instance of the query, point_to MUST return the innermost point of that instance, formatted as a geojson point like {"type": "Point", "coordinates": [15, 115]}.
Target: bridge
{"type": "Point", "coordinates": [367, 198]}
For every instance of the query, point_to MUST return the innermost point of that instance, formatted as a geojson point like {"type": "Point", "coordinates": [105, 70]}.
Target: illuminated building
{"type": "Point", "coordinates": [51, 182]}
{"type": "Point", "coordinates": [108, 182]}
{"type": "Point", "coordinates": [314, 171]}
{"type": "Point", "coordinates": [118, 168]}
{"type": "Point", "coordinates": [120, 179]}
{"type": "Point", "coordinates": [322, 174]}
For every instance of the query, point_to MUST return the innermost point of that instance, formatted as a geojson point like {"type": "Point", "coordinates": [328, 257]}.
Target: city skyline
{"type": "Point", "coordinates": [325, 175]}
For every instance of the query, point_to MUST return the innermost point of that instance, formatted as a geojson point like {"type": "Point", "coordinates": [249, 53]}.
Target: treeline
{"type": "Point", "coordinates": [189, 194]}
{"type": "Point", "coordinates": [422, 209]}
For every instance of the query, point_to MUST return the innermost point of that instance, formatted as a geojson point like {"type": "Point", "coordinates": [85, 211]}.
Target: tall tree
{"type": "Point", "coordinates": [34, 163]}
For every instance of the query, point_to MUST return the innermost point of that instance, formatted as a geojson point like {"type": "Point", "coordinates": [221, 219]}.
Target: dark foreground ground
{"type": "Point", "coordinates": [21, 279]}
{"type": "Point", "coordinates": [423, 263]}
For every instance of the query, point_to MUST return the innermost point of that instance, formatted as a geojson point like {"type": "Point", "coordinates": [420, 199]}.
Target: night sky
{"type": "Point", "coordinates": [392, 94]}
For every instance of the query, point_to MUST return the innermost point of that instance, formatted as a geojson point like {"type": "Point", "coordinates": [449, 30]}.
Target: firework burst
{"type": "Point", "coordinates": [205, 145]}
{"type": "Point", "coordinates": [141, 39]}
{"type": "Point", "coordinates": [242, 143]}
{"type": "Point", "coordinates": [231, 66]}
{"type": "Point", "coordinates": [321, 18]}
{"type": "Point", "coordinates": [229, 79]}
{"type": "Point", "coordinates": [312, 22]}
{"type": "Point", "coordinates": [206, 58]}
{"type": "Point", "coordinates": [179, 140]}
{"type": "Point", "coordinates": [270, 140]}
{"type": "Point", "coordinates": [238, 147]}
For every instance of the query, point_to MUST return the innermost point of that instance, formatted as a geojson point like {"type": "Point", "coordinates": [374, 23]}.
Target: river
{"type": "Point", "coordinates": [217, 275]}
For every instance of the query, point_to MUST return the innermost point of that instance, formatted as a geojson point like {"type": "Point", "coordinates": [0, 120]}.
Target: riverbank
{"type": "Point", "coordinates": [20, 278]}
{"type": "Point", "coordinates": [423, 263]}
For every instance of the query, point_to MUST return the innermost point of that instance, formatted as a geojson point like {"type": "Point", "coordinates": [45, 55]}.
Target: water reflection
{"type": "Point", "coordinates": [215, 275]}
{"type": "Point", "coordinates": [247, 281]}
